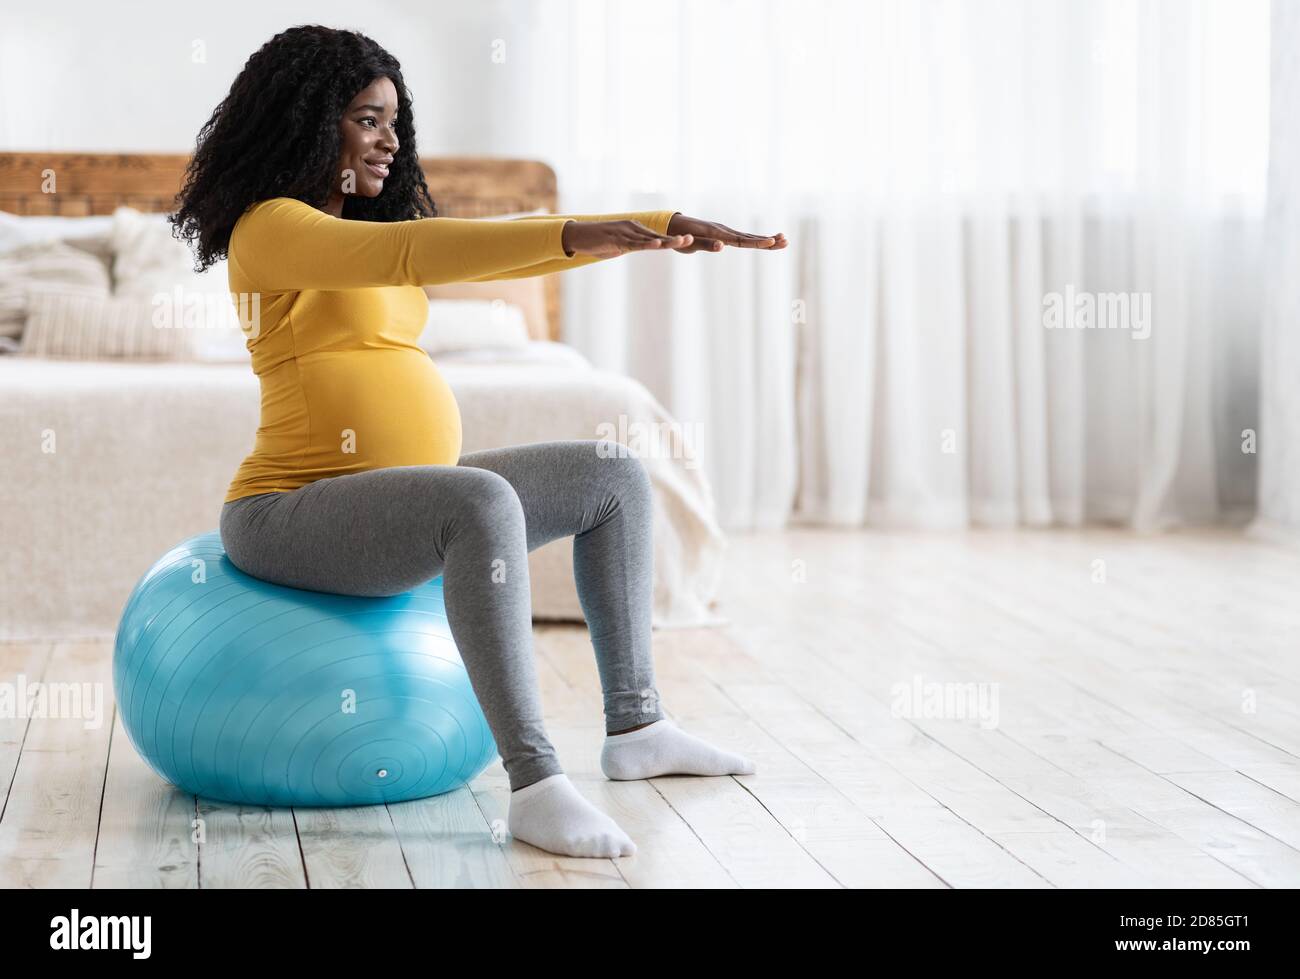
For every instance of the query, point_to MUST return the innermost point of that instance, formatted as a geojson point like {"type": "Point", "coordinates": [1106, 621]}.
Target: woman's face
{"type": "Point", "coordinates": [368, 132]}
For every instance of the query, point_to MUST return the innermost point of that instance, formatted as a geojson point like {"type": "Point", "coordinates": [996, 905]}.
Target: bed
{"type": "Point", "coordinates": [143, 450]}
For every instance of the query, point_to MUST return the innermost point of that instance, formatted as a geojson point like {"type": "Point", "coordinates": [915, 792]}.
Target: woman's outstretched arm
{"type": "Point", "coordinates": [283, 244]}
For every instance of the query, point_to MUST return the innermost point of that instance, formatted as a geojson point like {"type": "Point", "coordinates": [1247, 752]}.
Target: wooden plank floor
{"type": "Point", "coordinates": [1120, 711]}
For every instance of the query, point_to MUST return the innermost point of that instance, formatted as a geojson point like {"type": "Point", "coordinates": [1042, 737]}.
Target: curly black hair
{"type": "Point", "coordinates": [297, 85]}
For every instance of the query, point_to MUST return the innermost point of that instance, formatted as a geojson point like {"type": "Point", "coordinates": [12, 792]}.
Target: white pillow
{"type": "Point", "coordinates": [150, 263]}
{"type": "Point", "coordinates": [147, 258]}
{"type": "Point", "coordinates": [460, 324]}
{"type": "Point", "coordinates": [87, 327]}
{"type": "Point", "coordinates": [537, 212]}
{"type": "Point", "coordinates": [87, 233]}
{"type": "Point", "coordinates": [50, 264]}
{"type": "Point", "coordinates": [543, 353]}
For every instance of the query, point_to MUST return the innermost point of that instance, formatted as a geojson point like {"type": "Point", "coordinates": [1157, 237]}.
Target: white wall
{"type": "Point", "coordinates": [96, 77]}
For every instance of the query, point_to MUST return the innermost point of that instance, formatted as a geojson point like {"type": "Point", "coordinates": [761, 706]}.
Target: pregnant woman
{"type": "Point", "coordinates": [307, 178]}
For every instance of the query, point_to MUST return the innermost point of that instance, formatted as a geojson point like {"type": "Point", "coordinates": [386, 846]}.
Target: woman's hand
{"type": "Point", "coordinates": [605, 239]}
{"type": "Point", "coordinates": [708, 236]}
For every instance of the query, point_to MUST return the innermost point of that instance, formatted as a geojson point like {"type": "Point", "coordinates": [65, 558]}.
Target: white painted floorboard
{"type": "Point", "coordinates": [1122, 711]}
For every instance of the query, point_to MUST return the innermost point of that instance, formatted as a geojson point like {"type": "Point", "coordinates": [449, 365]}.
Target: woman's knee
{"type": "Point", "coordinates": [622, 472]}
{"type": "Point", "coordinates": [488, 501]}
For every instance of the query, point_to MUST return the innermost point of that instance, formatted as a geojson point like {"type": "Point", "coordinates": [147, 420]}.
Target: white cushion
{"type": "Point", "coordinates": [542, 353]}
{"type": "Point", "coordinates": [459, 324]}
{"type": "Point", "coordinates": [516, 214]}
{"type": "Point", "coordinates": [51, 265]}
{"type": "Point", "coordinates": [63, 325]}
{"type": "Point", "coordinates": [150, 263]}
{"type": "Point", "coordinates": [90, 233]}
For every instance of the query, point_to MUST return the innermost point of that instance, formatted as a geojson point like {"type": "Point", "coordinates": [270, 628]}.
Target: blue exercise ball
{"type": "Point", "coordinates": [244, 691]}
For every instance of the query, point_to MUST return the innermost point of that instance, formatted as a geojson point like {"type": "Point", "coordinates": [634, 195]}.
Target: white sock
{"type": "Point", "coordinates": [553, 815]}
{"type": "Point", "coordinates": [662, 748]}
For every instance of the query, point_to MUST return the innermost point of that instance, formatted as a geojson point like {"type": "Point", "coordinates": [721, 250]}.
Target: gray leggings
{"type": "Point", "coordinates": [385, 531]}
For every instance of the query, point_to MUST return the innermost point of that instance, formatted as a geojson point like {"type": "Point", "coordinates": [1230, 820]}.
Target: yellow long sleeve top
{"type": "Point", "coordinates": [345, 387]}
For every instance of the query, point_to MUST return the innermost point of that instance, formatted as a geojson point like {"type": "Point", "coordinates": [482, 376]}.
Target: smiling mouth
{"type": "Point", "coordinates": [378, 169]}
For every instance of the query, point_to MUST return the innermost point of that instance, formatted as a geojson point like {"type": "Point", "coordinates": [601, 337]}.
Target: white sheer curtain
{"type": "Point", "coordinates": [942, 169]}
{"type": "Point", "coordinates": [1279, 430]}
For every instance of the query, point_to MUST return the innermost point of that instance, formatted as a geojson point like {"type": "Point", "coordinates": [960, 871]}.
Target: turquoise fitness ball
{"type": "Point", "coordinates": [240, 690]}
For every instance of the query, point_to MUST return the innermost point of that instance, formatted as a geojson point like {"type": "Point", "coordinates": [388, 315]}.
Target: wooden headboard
{"type": "Point", "coordinates": [96, 183]}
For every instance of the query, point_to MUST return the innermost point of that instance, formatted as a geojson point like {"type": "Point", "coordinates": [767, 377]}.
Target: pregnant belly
{"type": "Point", "coordinates": [379, 408]}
